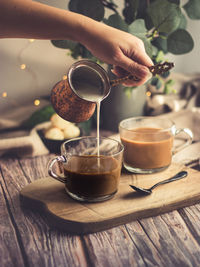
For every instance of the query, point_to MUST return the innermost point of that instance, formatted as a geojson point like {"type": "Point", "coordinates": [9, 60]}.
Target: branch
{"type": "Point", "coordinates": [110, 5]}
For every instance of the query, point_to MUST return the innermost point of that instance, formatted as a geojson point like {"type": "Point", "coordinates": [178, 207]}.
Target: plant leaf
{"type": "Point", "coordinates": [168, 88]}
{"type": "Point", "coordinates": [73, 5]}
{"type": "Point", "coordinates": [90, 8]}
{"type": "Point", "coordinates": [192, 8]}
{"type": "Point", "coordinates": [180, 42]}
{"type": "Point", "coordinates": [156, 81]}
{"type": "Point", "coordinates": [130, 10]}
{"type": "Point", "coordinates": [147, 45]}
{"type": "Point", "coordinates": [165, 74]}
{"type": "Point", "coordinates": [128, 91]}
{"type": "Point", "coordinates": [117, 22]}
{"type": "Point", "coordinates": [86, 126]}
{"type": "Point", "coordinates": [138, 29]}
{"type": "Point", "coordinates": [177, 2]}
{"type": "Point", "coordinates": [154, 50]}
{"type": "Point", "coordinates": [142, 7]}
{"type": "Point", "coordinates": [65, 44]}
{"type": "Point", "coordinates": [39, 116]}
{"type": "Point", "coordinates": [164, 15]}
{"type": "Point", "coordinates": [160, 57]}
{"type": "Point", "coordinates": [76, 49]}
{"type": "Point", "coordinates": [170, 82]}
{"type": "Point", "coordinates": [183, 22]}
{"type": "Point", "coordinates": [161, 44]}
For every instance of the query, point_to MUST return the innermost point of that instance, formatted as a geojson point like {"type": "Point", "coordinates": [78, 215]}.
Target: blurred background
{"type": "Point", "coordinates": [30, 68]}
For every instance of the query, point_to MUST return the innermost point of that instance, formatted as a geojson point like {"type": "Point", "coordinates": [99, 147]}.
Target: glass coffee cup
{"type": "Point", "coordinates": [149, 143]}
{"type": "Point", "coordinates": [91, 169]}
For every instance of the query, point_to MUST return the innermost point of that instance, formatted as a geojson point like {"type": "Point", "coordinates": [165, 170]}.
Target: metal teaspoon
{"type": "Point", "coordinates": [159, 68]}
{"type": "Point", "coordinates": [148, 191]}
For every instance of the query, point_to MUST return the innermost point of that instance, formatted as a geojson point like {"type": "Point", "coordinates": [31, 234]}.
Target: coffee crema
{"type": "Point", "coordinates": [92, 176]}
{"type": "Point", "coordinates": [147, 148]}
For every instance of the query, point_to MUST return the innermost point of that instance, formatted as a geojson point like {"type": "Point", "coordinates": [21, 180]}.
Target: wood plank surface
{"type": "Point", "coordinates": [38, 245]}
{"type": "Point", "coordinates": [49, 196]}
{"type": "Point", "coordinates": [171, 239]}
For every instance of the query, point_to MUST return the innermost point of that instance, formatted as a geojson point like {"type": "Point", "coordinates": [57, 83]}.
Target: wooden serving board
{"type": "Point", "coordinates": [48, 196]}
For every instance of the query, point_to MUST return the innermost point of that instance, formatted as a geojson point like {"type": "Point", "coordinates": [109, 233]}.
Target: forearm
{"type": "Point", "coordinates": [29, 19]}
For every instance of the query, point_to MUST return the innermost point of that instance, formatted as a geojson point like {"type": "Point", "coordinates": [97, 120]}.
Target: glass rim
{"type": "Point", "coordinates": [171, 128]}
{"type": "Point", "coordinates": [94, 137]}
{"type": "Point", "coordinates": [91, 64]}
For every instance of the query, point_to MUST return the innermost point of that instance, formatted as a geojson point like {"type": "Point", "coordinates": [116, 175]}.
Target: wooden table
{"type": "Point", "coordinates": [171, 239]}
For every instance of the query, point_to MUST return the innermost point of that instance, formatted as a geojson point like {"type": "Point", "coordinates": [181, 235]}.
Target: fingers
{"type": "Point", "coordinates": [119, 72]}
{"type": "Point", "coordinates": [134, 61]}
{"type": "Point", "coordinates": [132, 66]}
{"type": "Point", "coordinates": [140, 56]}
{"type": "Point", "coordinates": [128, 66]}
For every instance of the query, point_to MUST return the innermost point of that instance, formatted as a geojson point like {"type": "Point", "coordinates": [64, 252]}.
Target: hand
{"type": "Point", "coordinates": [124, 51]}
{"type": "Point", "coordinates": [31, 19]}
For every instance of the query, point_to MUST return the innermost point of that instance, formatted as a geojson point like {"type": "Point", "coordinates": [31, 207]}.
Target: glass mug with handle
{"type": "Point", "coordinates": [92, 168]}
{"type": "Point", "coordinates": [149, 143]}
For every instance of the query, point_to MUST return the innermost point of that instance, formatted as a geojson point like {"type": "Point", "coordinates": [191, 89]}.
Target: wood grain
{"type": "Point", "coordinates": [76, 217]}
{"type": "Point", "coordinates": [27, 240]}
{"type": "Point", "coordinates": [167, 239]}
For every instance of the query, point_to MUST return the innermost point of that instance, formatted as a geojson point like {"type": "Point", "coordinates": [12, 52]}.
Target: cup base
{"type": "Point", "coordinates": [90, 199]}
{"type": "Point", "coordinates": [143, 171]}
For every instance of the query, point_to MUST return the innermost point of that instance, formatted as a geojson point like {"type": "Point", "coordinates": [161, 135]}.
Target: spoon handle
{"type": "Point", "coordinates": [178, 176]}
{"type": "Point", "coordinates": [159, 68]}
{"type": "Point", "coordinates": [123, 79]}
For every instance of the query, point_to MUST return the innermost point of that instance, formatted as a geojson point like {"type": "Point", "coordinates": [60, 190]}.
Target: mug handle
{"type": "Point", "coordinates": [51, 165]}
{"type": "Point", "coordinates": [188, 142]}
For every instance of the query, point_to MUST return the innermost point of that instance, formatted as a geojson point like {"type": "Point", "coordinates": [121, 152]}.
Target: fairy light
{"type": "Point", "coordinates": [36, 102]}
{"type": "Point", "coordinates": [148, 93]}
{"type": "Point", "coordinates": [4, 94]}
{"type": "Point", "coordinates": [22, 66]}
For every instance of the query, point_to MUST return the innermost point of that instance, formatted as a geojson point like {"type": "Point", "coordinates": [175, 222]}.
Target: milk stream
{"type": "Point", "coordinates": [92, 93]}
{"type": "Point", "coordinates": [98, 124]}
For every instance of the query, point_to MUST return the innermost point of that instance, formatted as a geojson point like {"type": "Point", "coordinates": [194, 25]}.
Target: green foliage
{"type": "Point", "coordinates": [192, 8]}
{"type": "Point", "coordinates": [91, 8]}
{"type": "Point", "coordinates": [157, 82]}
{"type": "Point", "coordinates": [39, 116]}
{"type": "Point", "coordinates": [169, 87]}
{"type": "Point", "coordinates": [180, 42]}
{"type": "Point", "coordinates": [130, 10]}
{"type": "Point", "coordinates": [86, 126]}
{"type": "Point", "coordinates": [117, 22]}
{"type": "Point", "coordinates": [44, 114]}
{"type": "Point", "coordinates": [160, 24]}
{"type": "Point", "coordinates": [139, 29]}
{"type": "Point", "coordinates": [165, 16]}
